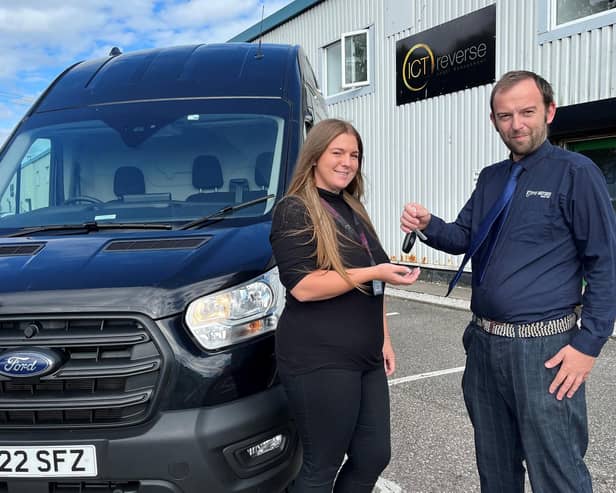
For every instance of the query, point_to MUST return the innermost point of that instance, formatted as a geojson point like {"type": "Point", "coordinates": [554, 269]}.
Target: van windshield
{"type": "Point", "coordinates": [164, 161]}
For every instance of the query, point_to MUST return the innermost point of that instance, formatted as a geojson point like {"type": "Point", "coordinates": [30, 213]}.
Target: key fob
{"type": "Point", "coordinates": [409, 241]}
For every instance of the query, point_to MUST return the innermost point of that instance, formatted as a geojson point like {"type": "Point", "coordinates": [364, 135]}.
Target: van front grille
{"type": "Point", "coordinates": [94, 487]}
{"type": "Point", "coordinates": [108, 377]}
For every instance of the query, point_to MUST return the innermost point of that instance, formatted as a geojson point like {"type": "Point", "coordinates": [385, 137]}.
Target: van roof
{"type": "Point", "coordinates": [191, 71]}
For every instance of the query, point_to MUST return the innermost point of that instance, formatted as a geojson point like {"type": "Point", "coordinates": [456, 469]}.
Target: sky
{"type": "Point", "coordinates": [40, 38]}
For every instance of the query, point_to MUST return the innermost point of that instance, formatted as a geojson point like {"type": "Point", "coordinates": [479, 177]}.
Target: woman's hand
{"type": "Point", "coordinates": [389, 357]}
{"type": "Point", "coordinates": [324, 284]}
{"type": "Point", "coordinates": [397, 274]}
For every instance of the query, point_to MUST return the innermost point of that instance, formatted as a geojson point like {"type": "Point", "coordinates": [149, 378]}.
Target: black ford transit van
{"type": "Point", "coordinates": [138, 294]}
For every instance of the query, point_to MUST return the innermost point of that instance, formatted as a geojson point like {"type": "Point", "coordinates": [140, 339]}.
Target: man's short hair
{"type": "Point", "coordinates": [510, 79]}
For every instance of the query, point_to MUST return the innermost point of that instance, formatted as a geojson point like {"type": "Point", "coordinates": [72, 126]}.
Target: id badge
{"type": "Point", "coordinates": [377, 287]}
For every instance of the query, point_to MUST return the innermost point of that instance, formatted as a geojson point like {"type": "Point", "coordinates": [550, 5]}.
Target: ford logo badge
{"type": "Point", "coordinates": [24, 363]}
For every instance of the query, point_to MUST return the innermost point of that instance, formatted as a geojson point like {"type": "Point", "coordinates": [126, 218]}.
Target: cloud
{"type": "Point", "coordinates": [41, 38]}
{"type": "Point", "coordinates": [40, 34]}
{"type": "Point", "coordinates": [6, 112]}
{"type": "Point", "coordinates": [197, 13]}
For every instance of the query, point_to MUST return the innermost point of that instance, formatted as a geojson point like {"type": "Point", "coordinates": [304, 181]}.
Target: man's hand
{"type": "Point", "coordinates": [574, 370]}
{"type": "Point", "coordinates": [414, 216]}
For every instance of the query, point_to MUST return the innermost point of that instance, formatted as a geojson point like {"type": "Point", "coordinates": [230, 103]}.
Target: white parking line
{"type": "Point", "coordinates": [420, 376]}
{"type": "Point", "coordinates": [428, 298]}
{"type": "Point", "coordinates": [385, 486]}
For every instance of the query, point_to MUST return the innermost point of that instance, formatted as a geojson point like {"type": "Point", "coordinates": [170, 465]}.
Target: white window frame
{"type": "Point", "coordinates": [343, 38]}
{"type": "Point", "coordinates": [357, 89]}
{"type": "Point", "coordinates": [548, 30]}
{"type": "Point", "coordinates": [326, 68]}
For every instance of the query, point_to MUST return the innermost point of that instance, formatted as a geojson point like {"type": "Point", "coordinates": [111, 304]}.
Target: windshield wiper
{"type": "Point", "coordinates": [93, 226]}
{"type": "Point", "coordinates": [219, 214]}
{"type": "Point", "coordinates": [88, 227]}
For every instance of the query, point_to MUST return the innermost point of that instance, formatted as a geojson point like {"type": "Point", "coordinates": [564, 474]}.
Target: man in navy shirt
{"type": "Point", "coordinates": [527, 358]}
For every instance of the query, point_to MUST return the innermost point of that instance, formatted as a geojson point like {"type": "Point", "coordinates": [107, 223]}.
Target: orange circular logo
{"type": "Point", "coordinates": [418, 66]}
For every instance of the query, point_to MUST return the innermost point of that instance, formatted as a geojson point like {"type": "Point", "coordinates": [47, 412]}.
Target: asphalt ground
{"type": "Point", "coordinates": [432, 444]}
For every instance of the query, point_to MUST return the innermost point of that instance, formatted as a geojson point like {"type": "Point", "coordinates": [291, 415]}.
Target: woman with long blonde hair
{"type": "Point", "coordinates": [332, 344]}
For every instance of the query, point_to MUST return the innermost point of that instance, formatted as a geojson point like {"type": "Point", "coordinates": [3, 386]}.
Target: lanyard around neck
{"type": "Point", "coordinates": [357, 232]}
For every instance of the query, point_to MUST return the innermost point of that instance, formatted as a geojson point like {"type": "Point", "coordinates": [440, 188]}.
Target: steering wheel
{"type": "Point", "coordinates": [82, 198]}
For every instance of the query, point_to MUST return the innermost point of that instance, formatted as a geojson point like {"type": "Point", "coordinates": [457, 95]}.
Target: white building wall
{"type": "Point", "coordinates": [431, 151]}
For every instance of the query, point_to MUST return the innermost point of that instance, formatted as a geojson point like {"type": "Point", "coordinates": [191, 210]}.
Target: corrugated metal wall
{"type": "Point", "coordinates": [431, 151]}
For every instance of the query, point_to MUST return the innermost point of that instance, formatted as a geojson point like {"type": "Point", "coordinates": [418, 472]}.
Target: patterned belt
{"type": "Point", "coordinates": [534, 329]}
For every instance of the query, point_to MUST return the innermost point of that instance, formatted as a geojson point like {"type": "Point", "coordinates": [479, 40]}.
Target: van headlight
{"type": "Point", "coordinates": [228, 317]}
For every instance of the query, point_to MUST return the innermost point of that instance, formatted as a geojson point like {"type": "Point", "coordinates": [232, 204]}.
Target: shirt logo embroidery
{"type": "Point", "coordinates": [541, 194]}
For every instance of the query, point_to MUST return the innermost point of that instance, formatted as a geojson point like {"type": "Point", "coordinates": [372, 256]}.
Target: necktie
{"type": "Point", "coordinates": [501, 204]}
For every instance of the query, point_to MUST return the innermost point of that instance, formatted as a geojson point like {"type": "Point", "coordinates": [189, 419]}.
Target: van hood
{"type": "Point", "coordinates": [153, 273]}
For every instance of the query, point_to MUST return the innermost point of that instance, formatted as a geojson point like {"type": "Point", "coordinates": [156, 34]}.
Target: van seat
{"type": "Point", "coordinates": [207, 175]}
{"type": "Point", "coordinates": [263, 171]}
{"type": "Point", "coordinates": [128, 180]}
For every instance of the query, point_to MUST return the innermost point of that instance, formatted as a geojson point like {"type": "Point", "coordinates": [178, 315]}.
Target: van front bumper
{"type": "Point", "coordinates": [244, 446]}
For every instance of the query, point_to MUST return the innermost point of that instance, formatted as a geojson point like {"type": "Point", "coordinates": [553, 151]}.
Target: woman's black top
{"type": "Point", "coordinates": [344, 332]}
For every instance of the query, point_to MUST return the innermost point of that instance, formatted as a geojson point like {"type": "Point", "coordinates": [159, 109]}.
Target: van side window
{"type": "Point", "coordinates": [7, 201]}
{"type": "Point", "coordinates": [29, 187]}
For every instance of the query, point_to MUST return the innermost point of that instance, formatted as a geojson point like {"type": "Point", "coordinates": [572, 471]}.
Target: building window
{"type": "Point", "coordinates": [355, 56]}
{"type": "Point", "coordinates": [561, 18]}
{"type": "Point", "coordinates": [571, 10]}
{"type": "Point", "coordinates": [347, 65]}
{"type": "Point", "coordinates": [333, 61]}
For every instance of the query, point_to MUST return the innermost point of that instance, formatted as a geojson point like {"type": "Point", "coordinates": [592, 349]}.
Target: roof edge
{"type": "Point", "coordinates": [274, 20]}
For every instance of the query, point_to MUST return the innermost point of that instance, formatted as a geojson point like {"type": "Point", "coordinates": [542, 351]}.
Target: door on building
{"type": "Point", "coordinates": [603, 153]}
